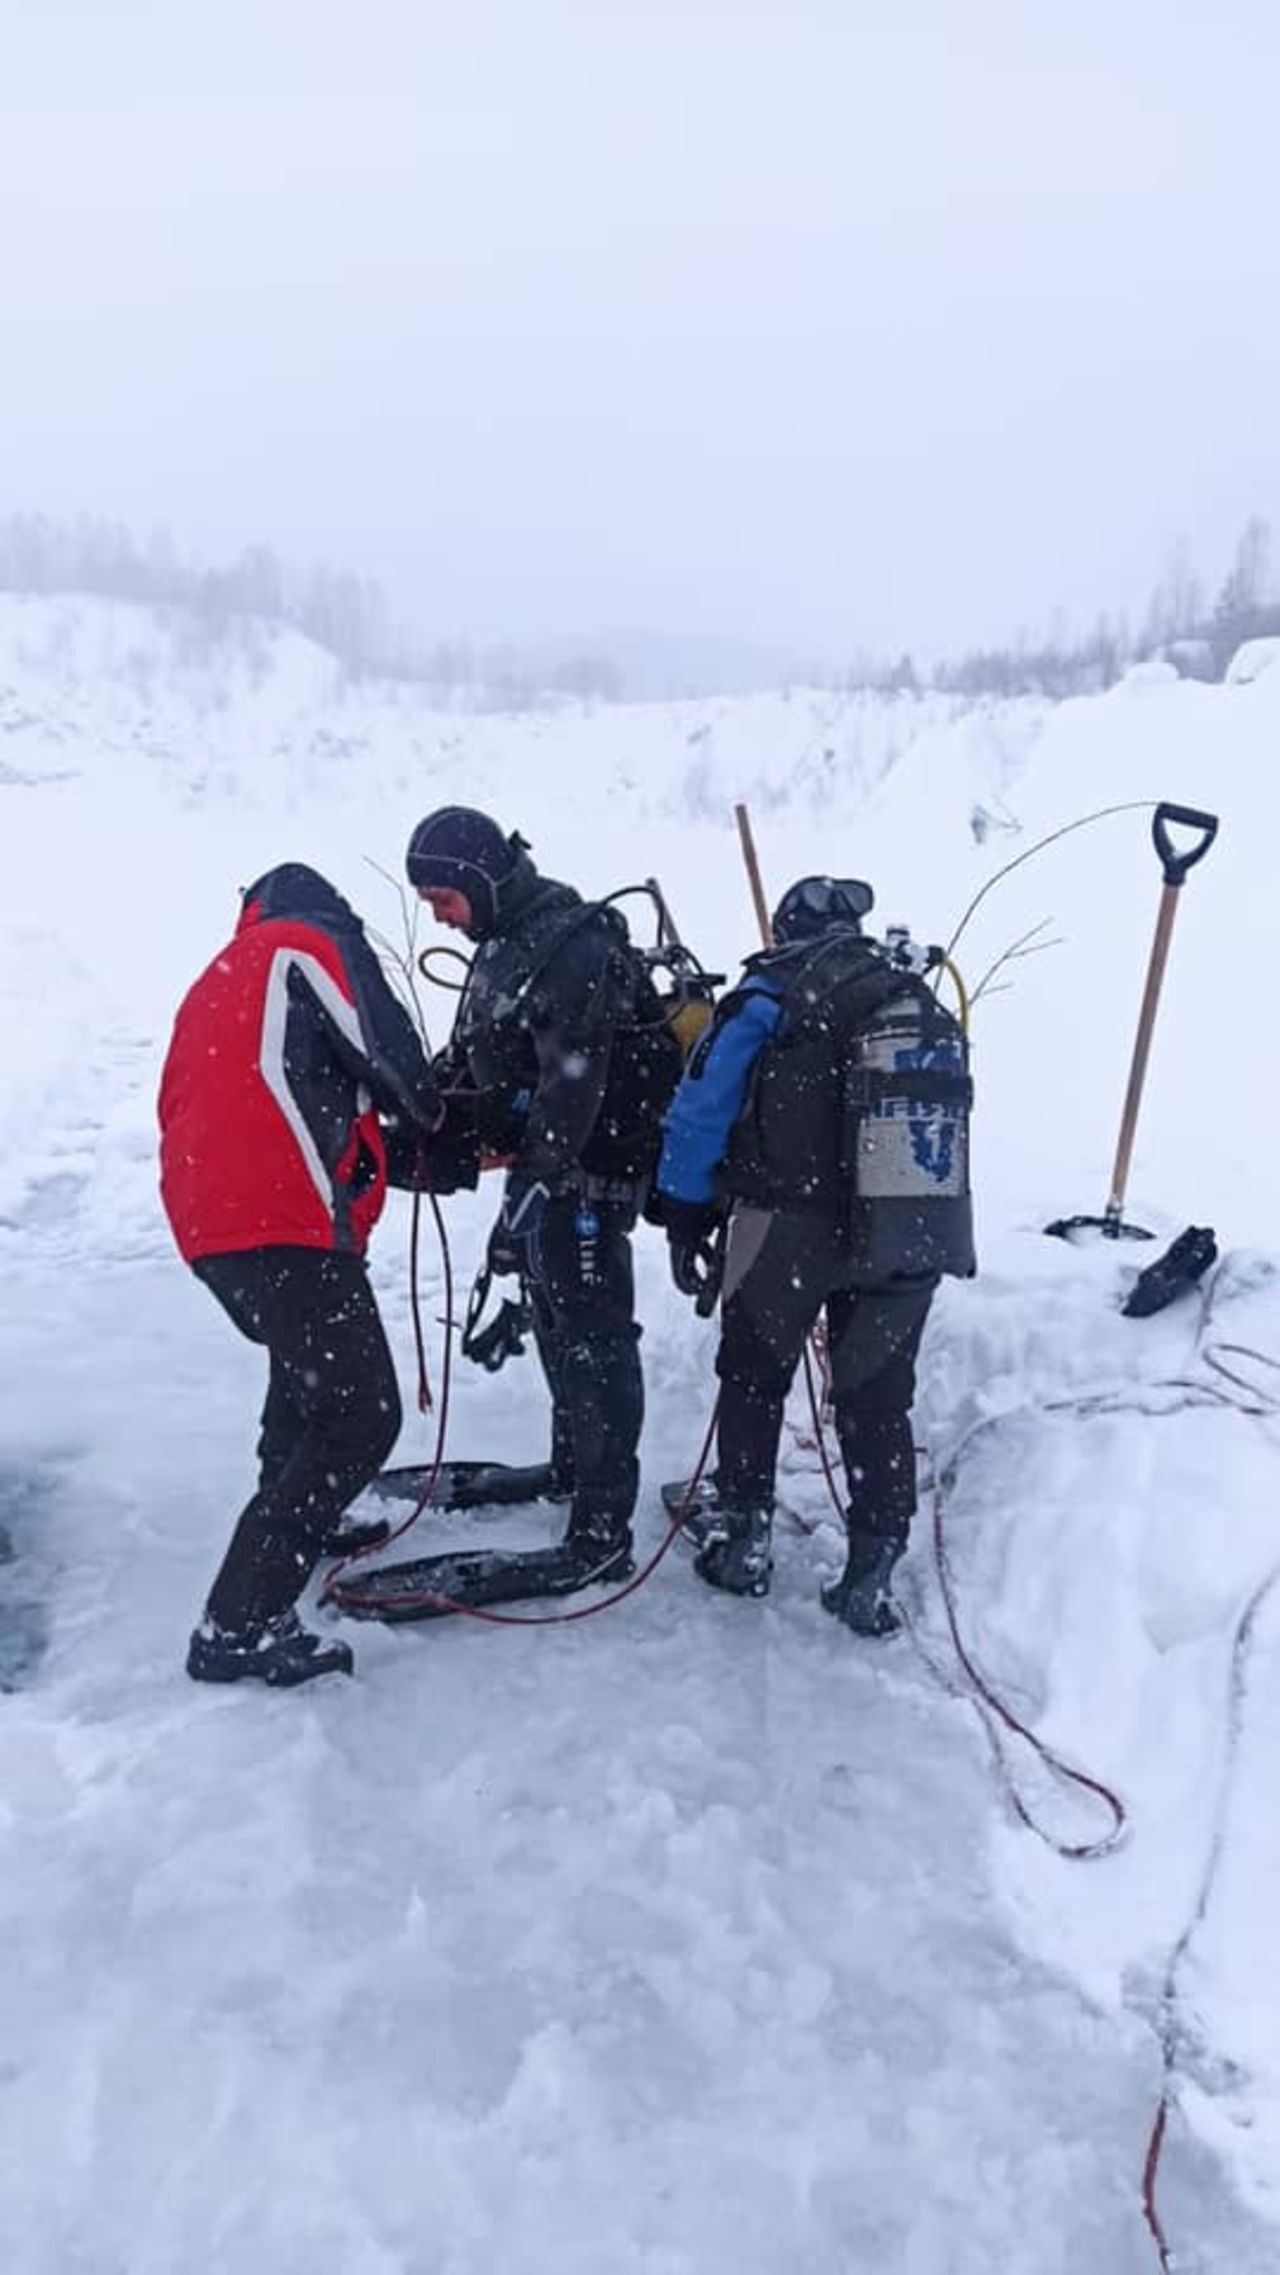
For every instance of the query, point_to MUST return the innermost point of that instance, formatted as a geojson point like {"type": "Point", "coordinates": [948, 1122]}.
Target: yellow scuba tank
{"type": "Point", "coordinates": [688, 1016]}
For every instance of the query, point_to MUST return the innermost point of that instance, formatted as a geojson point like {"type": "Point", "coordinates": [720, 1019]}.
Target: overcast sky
{"type": "Point", "coordinates": [818, 322]}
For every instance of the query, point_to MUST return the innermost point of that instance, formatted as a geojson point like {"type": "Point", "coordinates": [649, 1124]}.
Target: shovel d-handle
{"type": "Point", "coordinates": [1175, 864]}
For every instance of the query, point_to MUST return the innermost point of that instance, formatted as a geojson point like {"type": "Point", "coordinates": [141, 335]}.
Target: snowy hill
{"type": "Point", "coordinates": [692, 1937]}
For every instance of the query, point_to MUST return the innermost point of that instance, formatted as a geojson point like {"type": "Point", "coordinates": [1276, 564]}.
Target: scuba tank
{"type": "Point", "coordinates": [858, 1104]}
{"type": "Point", "coordinates": [907, 1098]}
{"type": "Point", "coordinates": [688, 1000]}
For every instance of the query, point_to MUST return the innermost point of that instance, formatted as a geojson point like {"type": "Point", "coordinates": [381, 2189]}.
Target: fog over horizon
{"type": "Point", "coordinates": [815, 327]}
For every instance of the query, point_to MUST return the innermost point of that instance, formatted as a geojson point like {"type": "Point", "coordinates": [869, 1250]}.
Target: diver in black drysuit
{"type": "Point", "coordinates": [560, 1060]}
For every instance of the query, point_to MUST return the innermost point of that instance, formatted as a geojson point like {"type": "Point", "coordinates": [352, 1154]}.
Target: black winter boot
{"type": "Point", "coordinates": [861, 1597]}
{"type": "Point", "coordinates": [283, 1654]}
{"type": "Point", "coordinates": [698, 1511]}
{"type": "Point", "coordinates": [737, 1550]}
{"type": "Point", "coordinates": [597, 1548]}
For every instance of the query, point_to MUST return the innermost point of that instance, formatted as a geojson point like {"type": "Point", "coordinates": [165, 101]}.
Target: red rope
{"type": "Point", "coordinates": [989, 1699]}
{"type": "Point", "coordinates": [1258, 1404]}
{"type": "Point", "coordinates": [817, 1407]}
{"type": "Point", "coordinates": [815, 1354]}
{"type": "Point", "coordinates": [983, 1696]}
{"type": "Point", "coordinates": [1261, 1402]}
{"type": "Point", "coordinates": [415, 1307]}
{"type": "Point", "coordinates": [1150, 2167]}
{"type": "Point", "coordinates": [1169, 2035]}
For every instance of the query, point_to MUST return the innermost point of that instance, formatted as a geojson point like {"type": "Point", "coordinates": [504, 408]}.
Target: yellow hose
{"type": "Point", "coordinates": [962, 992]}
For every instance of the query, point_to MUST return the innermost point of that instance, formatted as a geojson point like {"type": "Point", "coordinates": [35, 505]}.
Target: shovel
{"type": "Point", "coordinates": [1174, 865]}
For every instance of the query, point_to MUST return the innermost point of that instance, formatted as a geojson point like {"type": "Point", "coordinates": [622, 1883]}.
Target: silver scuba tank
{"type": "Point", "coordinates": [906, 1147]}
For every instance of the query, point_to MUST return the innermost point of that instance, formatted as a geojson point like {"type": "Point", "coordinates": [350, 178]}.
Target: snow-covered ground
{"type": "Point", "coordinates": [695, 1937]}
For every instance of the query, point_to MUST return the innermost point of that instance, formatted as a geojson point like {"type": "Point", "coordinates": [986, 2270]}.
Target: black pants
{"type": "Point", "coordinates": [781, 1271]}
{"type": "Point", "coordinates": [582, 1295]}
{"type": "Point", "coordinates": [331, 1417]}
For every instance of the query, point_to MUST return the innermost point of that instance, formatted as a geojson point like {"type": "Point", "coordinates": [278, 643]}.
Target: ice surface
{"type": "Point", "coordinates": [696, 1937]}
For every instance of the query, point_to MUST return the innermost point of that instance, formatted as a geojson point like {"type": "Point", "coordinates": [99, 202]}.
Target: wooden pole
{"type": "Point", "coordinates": [743, 819]}
{"type": "Point", "coordinates": [1141, 1053]}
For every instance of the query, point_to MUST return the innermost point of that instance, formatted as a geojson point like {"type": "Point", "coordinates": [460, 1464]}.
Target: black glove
{"type": "Point", "coordinates": [694, 1246]}
{"type": "Point", "coordinates": [443, 1160]}
{"type": "Point", "coordinates": [512, 1241]}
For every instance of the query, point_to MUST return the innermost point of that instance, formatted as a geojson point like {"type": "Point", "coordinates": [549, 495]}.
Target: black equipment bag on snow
{"type": "Point", "coordinates": [859, 1106]}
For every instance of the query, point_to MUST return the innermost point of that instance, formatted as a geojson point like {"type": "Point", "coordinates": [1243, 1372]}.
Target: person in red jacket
{"type": "Point", "coordinates": [291, 1067]}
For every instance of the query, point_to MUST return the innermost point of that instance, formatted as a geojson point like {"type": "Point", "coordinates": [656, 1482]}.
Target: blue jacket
{"type": "Point", "coordinates": [712, 1092]}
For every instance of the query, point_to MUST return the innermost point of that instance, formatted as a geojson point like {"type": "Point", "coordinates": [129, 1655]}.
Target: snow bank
{"type": "Point", "coordinates": [1251, 660]}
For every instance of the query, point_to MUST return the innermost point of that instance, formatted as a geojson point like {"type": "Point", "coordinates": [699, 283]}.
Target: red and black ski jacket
{"type": "Point", "coordinates": [283, 1055]}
